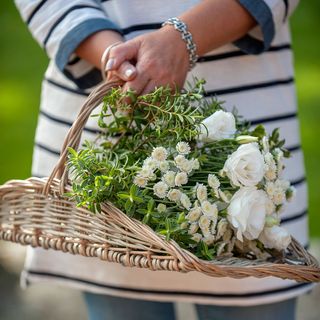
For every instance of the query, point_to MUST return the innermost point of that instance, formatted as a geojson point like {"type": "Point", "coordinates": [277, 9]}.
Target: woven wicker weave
{"type": "Point", "coordinates": [34, 212]}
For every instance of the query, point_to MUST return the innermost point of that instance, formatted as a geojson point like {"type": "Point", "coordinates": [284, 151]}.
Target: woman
{"type": "Point", "coordinates": [245, 56]}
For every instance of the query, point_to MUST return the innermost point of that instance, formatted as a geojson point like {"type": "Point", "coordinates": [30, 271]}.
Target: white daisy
{"type": "Point", "coordinates": [180, 179]}
{"type": "Point", "coordinates": [169, 178]}
{"type": "Point", "coordinates": [140, 181]}
{"type": "Point", "coordinates": [185, 201]}
{"type": "Point", "coordinates": [174, 195]}
{"type": "Point", "coordinates": [159, 154]}
{"type": "Point", "coordinates": [213, 181]}
{"type": "Point", "coordinates": [160, 189]}
{"type": "Point", "coordinates": [161, 207]}
{"type": "Point", "coordinates": [186, 166]}
{"type": "Point", "coordinates": [194, 214]}
{"type": "Point", "coordinates": [208, 239]}
{"type": "Point", "coordinates": [183, 147]}
{"type": "Point", "coordinates": [179, 160]}
{"type": "Point", "coordinates": [202, 193]}
{"type": "Point", "coordinates": [193, 228]}
{"type": "Point", "coordinates": [221, 228]}
{"type": "Point", "coordinates": [164, 166]}
{"type": "Point", "coordinates": [204, 222]}
{"type": "Point", "coordinates": [150, 163]}
{"type": "Point", "coordinates": [223, 196]}
{"type": "Point", "coordinates": [279, 196]}
{"type": "Point", "coordinates": [195, 164]}
{"type": "Point", "coordinates": [146, 172]}
{"type": "Point", "coordinates": [197, 237]}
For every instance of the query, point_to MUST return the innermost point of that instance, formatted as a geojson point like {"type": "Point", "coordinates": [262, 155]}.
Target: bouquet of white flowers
{"type": "Point", "coordinates": [190, 170]}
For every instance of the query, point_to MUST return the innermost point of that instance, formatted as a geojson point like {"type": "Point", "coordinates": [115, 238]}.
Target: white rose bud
{"type": "Point", "coordinates": [275, 238]}
{"type": "Point", "coordinates": [220, 125]}
{"type": "Point", "coordinates": [247, 212]}
{"type": "Point", "coordinates": [245, 167]}
{"type": "Point", "coordinates": [246, 139]}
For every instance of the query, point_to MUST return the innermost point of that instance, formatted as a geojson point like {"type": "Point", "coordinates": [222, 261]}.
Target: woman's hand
{"type": "Point", "coordinates": [161, 59]}
{"type": "Point", "coordinates": [93, 47]}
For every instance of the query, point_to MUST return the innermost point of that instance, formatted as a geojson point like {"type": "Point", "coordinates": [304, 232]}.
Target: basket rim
{"type": "Point", "coordinates": [182, 259]}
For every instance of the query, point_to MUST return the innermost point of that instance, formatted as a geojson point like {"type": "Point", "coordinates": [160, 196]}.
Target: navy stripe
{"type": "Point", "coordinates": [256, 86]}
{"type": "Point", "coordinates": [166, 292]}
{"type": "Point", "coordinates": [294, 217]}
{"type": "Point", "coordinates": [287, 116]}
{"type": "Point", "coordinates": [53, 27]}
{"type": "Point", "coordinates": [298, 181]}
{"type": "Point", "coordinates": [294, 148]}
{"type": "Point", "coordinates": [262, 85]}
{"type": "Point", "coordinates": [233, 54]}
{"type": "Point", "coordinates": [67, 123]}
{"type": "Point", "coordinates": [74, 61]}
{"type": "Point", "coordinates": [61, 86]}
{"type": "Point", "coordinates": [35, 10]}
{"type": "Point", "coordinates": [141, 27]}
{"type": "Point", "coordinates": [46, 148]}
{"type": "Point", "coordinates": [286, 12]}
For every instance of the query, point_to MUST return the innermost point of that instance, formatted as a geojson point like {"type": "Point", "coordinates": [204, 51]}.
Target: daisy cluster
{"type": "Point", "coordinates": [171, 184]}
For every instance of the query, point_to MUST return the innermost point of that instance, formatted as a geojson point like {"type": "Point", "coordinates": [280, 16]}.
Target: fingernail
{"type": "Point", "coordinates": [128, 73]}
{"type": "Point", "coordinates": [110, 64]}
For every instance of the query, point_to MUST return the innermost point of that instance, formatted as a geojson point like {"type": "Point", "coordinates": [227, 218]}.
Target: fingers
{"type": "Point", "coordinates": [148, 88]}
{"type": "Point", "coordinates": [126, 71]}
{"type": "Point", "coordinates": [138, 84]}
{"type": "Point", "coordinates": [120, 53]}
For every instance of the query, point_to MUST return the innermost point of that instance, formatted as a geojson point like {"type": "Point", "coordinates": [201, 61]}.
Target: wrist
{"type": "Point", "coordinates": [186, 37]}
{"type": "Point", "coordinates": [92, 48]}
{"type": "Point", "coordinates": [173, 39]}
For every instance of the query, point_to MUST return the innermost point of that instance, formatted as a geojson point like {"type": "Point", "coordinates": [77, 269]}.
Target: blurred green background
{"type": "Point", "coordinates": [22, 64]}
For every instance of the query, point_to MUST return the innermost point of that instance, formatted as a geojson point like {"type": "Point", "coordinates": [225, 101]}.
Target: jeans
{"type": "Point", "coordinates": [105, 307]}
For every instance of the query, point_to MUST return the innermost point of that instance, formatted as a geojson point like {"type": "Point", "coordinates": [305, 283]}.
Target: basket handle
{"type": "Point", "coordinates": [74, 134]}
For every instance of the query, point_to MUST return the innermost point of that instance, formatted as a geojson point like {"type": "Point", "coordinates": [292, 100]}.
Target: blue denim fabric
{"type": "Point", "coordinates": [105, 307]}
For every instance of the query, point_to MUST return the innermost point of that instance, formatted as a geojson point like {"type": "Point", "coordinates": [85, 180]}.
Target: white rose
{"type": "Point", "coordinates": [245, 166]}
{"type": "Point", "coordinates": [247, 212]}
{"type": "Point", "coordinates": [220, 125]}
{"type": "Point", "coordinates": [275, 237]}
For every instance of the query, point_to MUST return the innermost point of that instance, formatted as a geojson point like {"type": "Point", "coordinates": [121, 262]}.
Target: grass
{"type": "Point", "coordinates": [23, 63]}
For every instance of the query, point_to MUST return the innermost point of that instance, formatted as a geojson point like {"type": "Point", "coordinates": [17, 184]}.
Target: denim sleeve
{"type": "Point", "coordinates": [59, 26]}
{"type": "Point", "coordinates": [270, 16]}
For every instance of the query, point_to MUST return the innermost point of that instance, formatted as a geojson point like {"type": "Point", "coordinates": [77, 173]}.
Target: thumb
{"type": "Point", "coordinates": [120, 53]}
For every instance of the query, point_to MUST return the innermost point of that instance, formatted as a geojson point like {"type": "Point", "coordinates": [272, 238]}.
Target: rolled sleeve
{"type": "Point", "coordinates": [60, 26]}
{"type": "Point", "coordinates": [270, 16]}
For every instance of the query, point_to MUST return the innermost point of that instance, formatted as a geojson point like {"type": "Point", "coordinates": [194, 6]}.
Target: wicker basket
{"type": "Point", "coordinates": [34, 212]}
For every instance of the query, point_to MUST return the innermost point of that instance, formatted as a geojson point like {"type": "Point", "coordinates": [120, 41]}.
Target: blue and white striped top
{"type": "Point", "coordinates": [255, 74]}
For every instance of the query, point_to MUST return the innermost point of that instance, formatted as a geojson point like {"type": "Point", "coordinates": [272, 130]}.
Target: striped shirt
{"type": "Point", "coordinates": [255, 74]}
